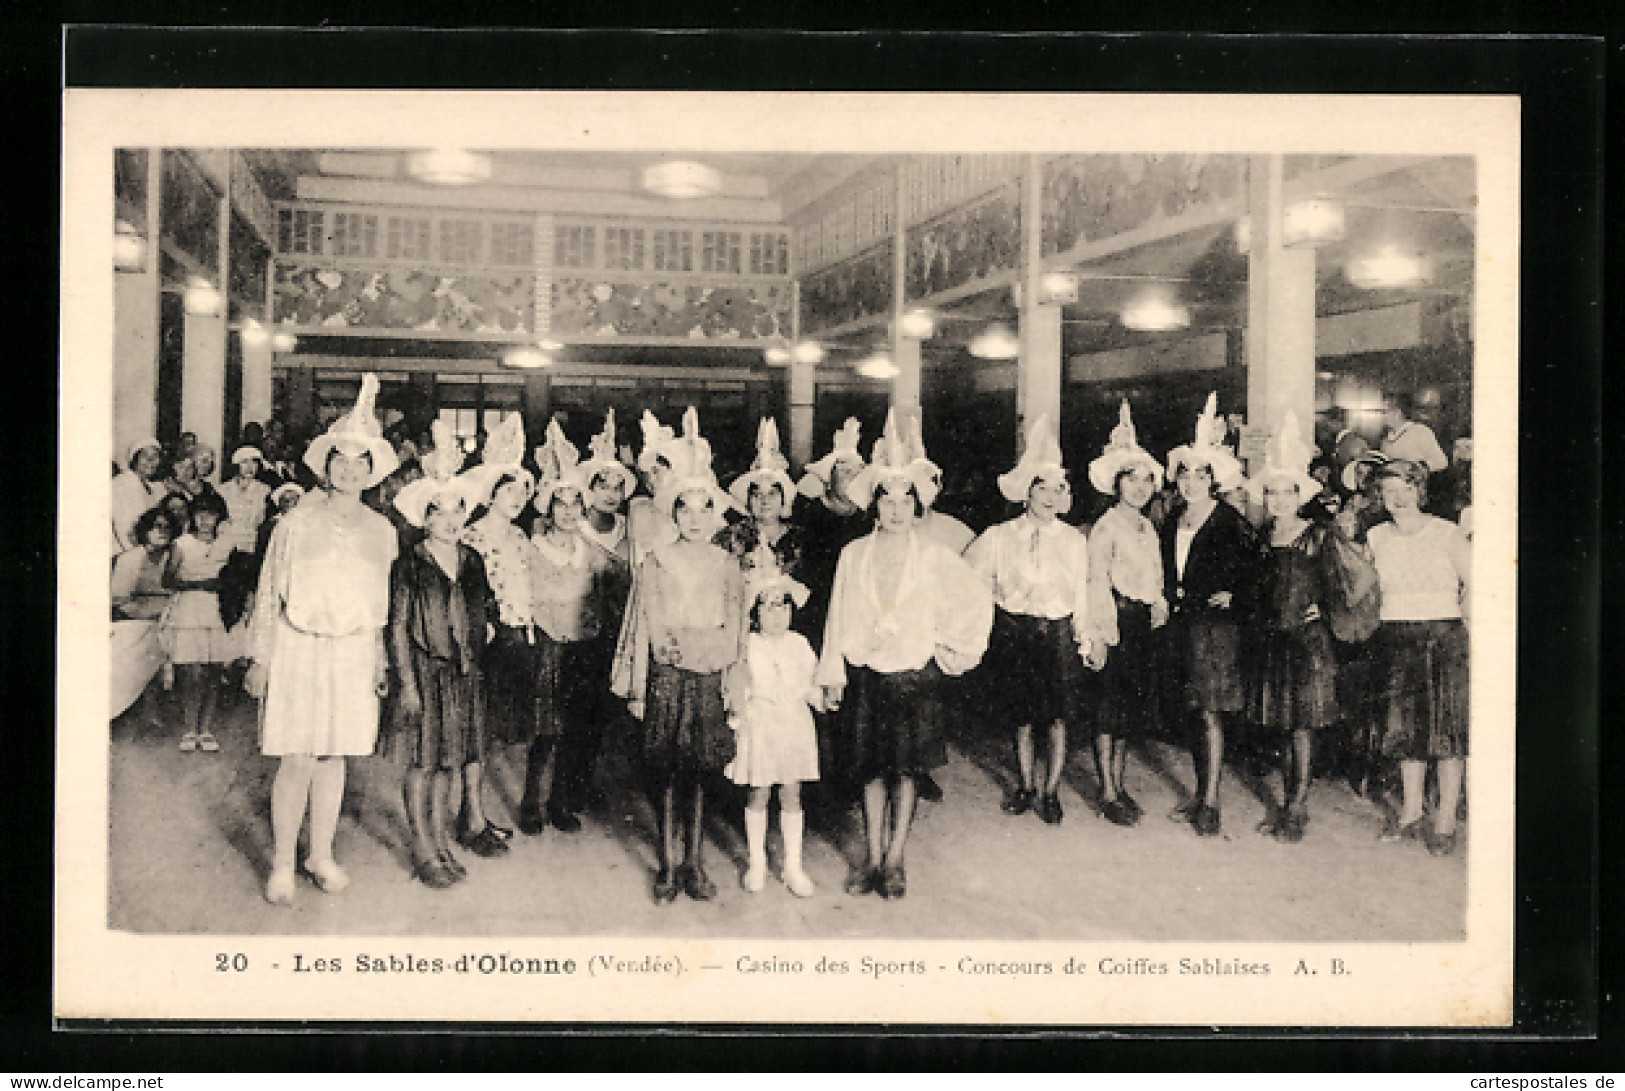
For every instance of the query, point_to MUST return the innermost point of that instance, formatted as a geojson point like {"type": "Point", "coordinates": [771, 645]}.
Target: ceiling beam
{"type": "Point", "coordinates": [491, 198]}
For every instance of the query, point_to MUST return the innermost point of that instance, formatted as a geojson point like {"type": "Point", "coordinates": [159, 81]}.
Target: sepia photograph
{"type": "Point", "coordinates": [788, 557]}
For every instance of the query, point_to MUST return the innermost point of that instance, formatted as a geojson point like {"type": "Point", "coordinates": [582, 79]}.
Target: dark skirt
{"type": "Point", "coordinates": [685, 725]}
{"type": "Point", "coordinates": [1033, 666]}
{"type": "Point", "coordinates": [451, 730]}
{"type": "Point", "coordinates": [1423, 674]}
{"type": "Point", "coordinates": [1129, 681]}
{"type": "Point", "coordinates": [894, 725]}
{"type": "Point", "coordinates": [1293, 681]}
{"type": "Point", "coordinates": [1205, 662]}
{"type": "Point", "coordinates": [508, 667]}
{"type": "Point", "coordinates": [536, 686]}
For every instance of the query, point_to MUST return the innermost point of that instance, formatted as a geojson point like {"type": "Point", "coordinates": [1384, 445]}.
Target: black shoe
{"type": "Point", "coordinates": [532, 821]}
{"type": "Point", "coordinates": [1049, 809]}
{"type": "Point", "coordinates": [863, 880]}
{"type": "Point", "coordinates": [1020, 801]}
{"type": "Point", "coordinates": [666, 886]}
{"type": "Point", "coordinates": [1206, 821]}
{"type": "Point", "coordinates": [892, 883]}
{"type": "Point", "coordinates": [1136, 812]}
{"type": "Point", "coordinates": [1185, 812]}
{"type": "Point", "coordinates": [696, 884]}
{"type": "Point", "coordinates": [435, 874]}
{"type": "Point", "coordinates": [563, 820]}
{"type": "Point", "coordinates": [484, 843]}
{"type": "Point", "coordinates": [927, 789]}
{"type": "Point", "coordinates": [1117, 813]}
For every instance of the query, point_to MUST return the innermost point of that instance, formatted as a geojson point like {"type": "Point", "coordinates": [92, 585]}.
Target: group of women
{"type": "Point", "coordinates": [534, 590]}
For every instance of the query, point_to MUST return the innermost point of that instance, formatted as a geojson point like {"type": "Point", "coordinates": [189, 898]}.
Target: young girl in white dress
{"type": "Point", "coordinates": [775, 738]}
{"type": "Point", "coordinates": [197, 640]}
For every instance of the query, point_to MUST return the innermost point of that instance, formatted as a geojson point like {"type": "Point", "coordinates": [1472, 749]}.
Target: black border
{"type": "Point", "coordinates": [1561, 82]}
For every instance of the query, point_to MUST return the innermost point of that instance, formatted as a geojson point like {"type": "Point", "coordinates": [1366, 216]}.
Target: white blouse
{"type": "Point", "coordinates": [1034, 568]}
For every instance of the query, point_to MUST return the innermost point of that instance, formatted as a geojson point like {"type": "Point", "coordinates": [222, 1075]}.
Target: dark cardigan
{"type": "Point", "coordinates": [1224, 556]}
{"type": "Point", "coordinates": [420, 615]}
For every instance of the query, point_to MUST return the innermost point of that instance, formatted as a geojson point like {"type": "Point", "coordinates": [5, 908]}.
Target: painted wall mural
{"type": "Point", "coordinates": [583, 306]}
{"type": "Point", "coordinates": [1093, 197]}
{"type": "Point", "coordinates": [845, 292]}
{"type": "Point", "coordinates": [397, 299]}
{"type": "Point", "coordinates": [965, 245]}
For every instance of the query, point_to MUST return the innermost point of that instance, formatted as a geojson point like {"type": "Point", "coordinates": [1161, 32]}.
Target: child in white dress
{"type": "Point", "coordinates": [776, 740]}
{"type": "Point", "coordinates": [192, 631]}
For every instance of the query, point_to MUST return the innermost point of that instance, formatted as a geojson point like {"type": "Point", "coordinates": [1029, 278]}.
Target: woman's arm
{"type": "Point", "coordinates": [398, 642]}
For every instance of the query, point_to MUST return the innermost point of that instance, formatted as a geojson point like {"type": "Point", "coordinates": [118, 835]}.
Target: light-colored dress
{"type": "Point", "coordinates": [245, 499]}
{"type": "Point", "coordinates": [192, 630]}
{"type": "Point", "coordinates": [776, 740]}
{"type": "Point", "coordinates": [139, 595]}
{"type": "Point", "coordinates": [318, 626]}
{"type": "Point", "coordinates": [132, 498]}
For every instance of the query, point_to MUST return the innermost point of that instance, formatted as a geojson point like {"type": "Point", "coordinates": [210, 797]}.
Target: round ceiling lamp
{"type": "Point", "coordinates": [807, 352]}
{"type": "Point", "coordinates": [1390, 267]}
{"type": "Point", "coordinates": [1156, 314]}
{"type": "Point", "coordinates": [527, 359]}
{"type": "Point", "coordinates": [449, 167]}
{"type": "Point", "coordinates": [254, 335]}
{"type": "Point", "coordinates": [682, 179]}
{"type": "Point", "coordinates": [283, 341]}
{"type": "Point", "coordinates": [997, 342]}
{"type": "Point", "coordinates": [877, 365]}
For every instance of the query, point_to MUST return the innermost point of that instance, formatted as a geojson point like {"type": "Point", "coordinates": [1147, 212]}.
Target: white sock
{"type": "Point", "coordinates": [756, 843]}
{"type": "Point", "coordinates": [791, 824]}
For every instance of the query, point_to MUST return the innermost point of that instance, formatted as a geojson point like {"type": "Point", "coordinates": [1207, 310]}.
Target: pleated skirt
{"type": "Point", "coordinates": [320, 698]}
{"type": "Point", "coordinates": [1423, 669]}
{"type": "Point", "coordinates": [894, 727]}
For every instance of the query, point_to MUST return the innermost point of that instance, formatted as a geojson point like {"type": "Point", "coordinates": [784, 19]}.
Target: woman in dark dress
{"type": "Point", "coordinates": [1292, 683]}
{"type": "Point", "coordinates": [1209, 563]}
{"type": "Point", "coordinates": [437, 633]}
{"type": "Point", "coordinates": [765, 494]}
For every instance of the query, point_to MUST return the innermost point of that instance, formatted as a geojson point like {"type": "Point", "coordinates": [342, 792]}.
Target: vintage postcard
{"type": "Point", "coordinates": [307, 771]}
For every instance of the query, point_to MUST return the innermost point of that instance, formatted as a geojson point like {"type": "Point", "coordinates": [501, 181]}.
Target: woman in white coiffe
{"type": "Point", "coordinates": [904, 614]}
{"type": "Point", "coordinates": [317, 639]}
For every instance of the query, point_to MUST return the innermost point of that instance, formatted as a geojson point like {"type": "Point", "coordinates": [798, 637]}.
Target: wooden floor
{"type": "Point", "coordinates": [190, 845]}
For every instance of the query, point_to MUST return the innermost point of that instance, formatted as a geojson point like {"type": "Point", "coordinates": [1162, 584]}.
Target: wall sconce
{"type": "Point", "coordinates": [807, 352]}
{"type": "Point", "coordinates": [129, 248]}
{"type": "Point", "coordinates": [1318, 221]}
{"type": "Point", "coordinates": [253, 335]}
{"type": "Point", "coordinates": [918, 324]}
{"type": "Point", "coordinates": [449, 167]}
{"type": "Point", "coordinates": [283, 341]}
{"type": "Point", "coordinates": [202, 297]}
{"type": "Point", "coordinates": [997, 342]}
{"type": "Point", "coordinates": [1058, 287]}
{"type": "Point", "coordinates": [776, 356]}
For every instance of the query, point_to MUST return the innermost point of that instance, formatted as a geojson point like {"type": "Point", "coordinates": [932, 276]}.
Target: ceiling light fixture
{"type": "Point", "coordinates": [877, 365]}
{"type": "Point", "coordinates": [918, 324]}
{"type": "Point", "coordinates": [776, 355]}
{"type": "Point", "coordinates": [1390, 267]}
{"type": "Point", "coordinates": [997, 342]}
{"type": "Point", "coordinates": [283, 341]}
{"type": "Point", "coordinates": [1156, 314]}
{"type": "Point", "coordinates": [527, 359]}
{"type": "Point", "coordinates": [548, 345]}
{"type": "Point", "coordinates": [1315, 222]}
{"type": "Point", "coordinates": [449, 167]}
{"type": "Point", "coordinates": [682, 179]}
{"type": "Point", "coordinates": [1060, 286]}
{"type": "Point", "coordinates": [807, 352]}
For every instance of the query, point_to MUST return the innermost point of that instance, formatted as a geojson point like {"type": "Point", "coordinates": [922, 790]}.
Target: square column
{"type": "Point", "coordinates": [135, 358]}
{"type": "Point", "coordinates": [905, 388]}
{"type": "Point", "coordinates": [1038, 372]}
{"type": "Point", "coordinates": [803, 395]}
{"type": "Point", "coordinates": [256, 380]}
{"type": "Point", "coordinates": [1280, 336]}
{"type": "Point", "coordinates": [203, 379]}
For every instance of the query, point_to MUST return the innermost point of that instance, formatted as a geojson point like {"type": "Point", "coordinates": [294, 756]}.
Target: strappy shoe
{"type": "Point", "coordinates": [207, 743]}
{"type": "Point", "coordinates": [1134, 809]}
{"type": "Point", "coordinates": [453, 865]}
{"type": "Point", "coordinates": [1116, 812]}
{"type": "Point", "coordinates": [1049, 809]}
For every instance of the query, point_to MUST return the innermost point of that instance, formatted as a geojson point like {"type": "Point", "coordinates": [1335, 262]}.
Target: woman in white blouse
{"type": "Point", "coordinates": [1126, 607]}
{"type": "Point", "coordinates": [1038, 570]}
{"type": "Point", "coordinates": [904, 612]}
{"type": "Point", "coordinates": [1423, 570]}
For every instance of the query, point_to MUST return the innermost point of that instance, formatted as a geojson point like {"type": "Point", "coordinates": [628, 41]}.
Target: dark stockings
{"type": "Point", "coordinates": [1111, 758]}
{"type": "Point", "coordinates": [1208, 757]}
{"type": "Point", "coordinates": [888, 839]}
{"type": "Point", "coordinates": [1027, 758]}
